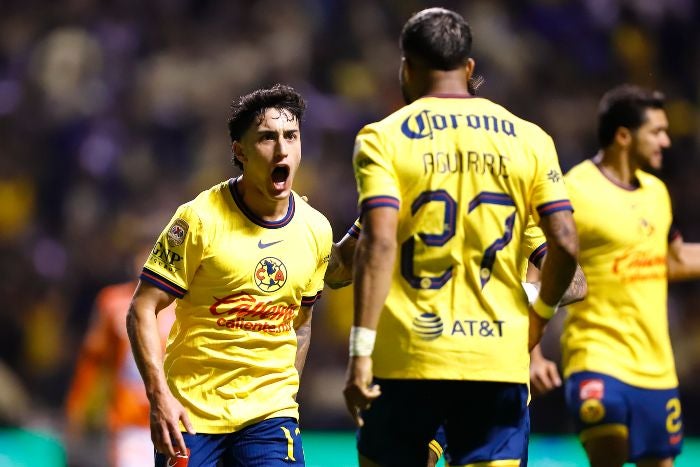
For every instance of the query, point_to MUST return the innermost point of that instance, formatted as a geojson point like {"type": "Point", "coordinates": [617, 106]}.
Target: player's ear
{"type": "Point", "coordinates": [238, 153]}
{"type": "Point", "coordinates": [469, 68]}
{"type": "Point", "coordinates": [404, 70]}
{"type": "Point", "coordinates": [623, 136]}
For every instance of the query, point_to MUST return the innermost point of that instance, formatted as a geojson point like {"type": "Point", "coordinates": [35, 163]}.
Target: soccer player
{"type": "Point", "coordinates": [620, 379]}
{"type": "Point", "coordinates": [245, 262]}
{"type": "Point", "coordinates": [445, 184]}
{"type": "Point", "coordinates": [534, 247]}
{"type": "Point", "coordinates": [106, 360]}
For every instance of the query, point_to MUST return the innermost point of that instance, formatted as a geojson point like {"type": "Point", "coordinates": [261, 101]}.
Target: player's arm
{"type": "Point", "coordinates": [339, 272]}
{"type": "Point", "coordinates": [577, 290]}
{"type": "Point", "coordinates": [544, 375]}
{"type": "Point", "coordinates": [142, 329]}
{"type": "Point", "coordinates": [302, 327]}
{"type": "Point", "coordinates": [683, 260]}
{"type": "Point", "coordinates": [557, 271]}
{"type": "Point", "coordinates": [375, 254]}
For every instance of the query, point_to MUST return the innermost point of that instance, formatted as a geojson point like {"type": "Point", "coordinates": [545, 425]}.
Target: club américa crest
{"type": "Point", "coordinates": [270, 274]}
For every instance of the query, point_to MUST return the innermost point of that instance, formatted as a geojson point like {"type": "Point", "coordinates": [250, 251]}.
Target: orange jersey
{"type": "Point", "coordinates": [106, 349]}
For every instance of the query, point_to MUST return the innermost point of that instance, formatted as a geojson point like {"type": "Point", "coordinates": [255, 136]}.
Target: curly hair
{"type": "Point", "coordinates": [251, 108]}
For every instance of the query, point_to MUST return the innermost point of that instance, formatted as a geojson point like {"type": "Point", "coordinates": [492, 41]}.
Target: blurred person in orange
{"type": "Point", "coordinates": [106, 362]}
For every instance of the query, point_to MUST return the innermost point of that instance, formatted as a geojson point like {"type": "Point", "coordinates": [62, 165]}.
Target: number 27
{"type": "Point", "coordinates": [449, 227]}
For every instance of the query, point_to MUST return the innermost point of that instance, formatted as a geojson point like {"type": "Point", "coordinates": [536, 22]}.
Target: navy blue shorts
{"type": "Point", "coordinates": [649, 418]}
{"type": "Point", "coordinates": [483, 421]}
{"type": "Point", "coordinates": [272, 442]}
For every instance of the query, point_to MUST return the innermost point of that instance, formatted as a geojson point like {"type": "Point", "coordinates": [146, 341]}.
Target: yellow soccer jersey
{"type": "Point", "coordinates": [465, 175]}
{"type": "Point", "coordinates": [240, 282]}
{"type": "Point", "coordinates": [621, 328]}
{"type": "Point", "coordinates": [533, 244]}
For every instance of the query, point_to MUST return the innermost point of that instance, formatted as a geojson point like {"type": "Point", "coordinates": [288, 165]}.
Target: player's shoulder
{"type": "Point", "coordinates": [209, 202]}
{"type": "Point", "coordinates": [651, 181]}
{"type": "Point", "coordinates": [310, 215]}
{"type": "Point", "coordinates": [508, 119]}
{"type": "Point", "coordinates": [581, 171]}
{"type": "Point", "coordinates": [212, 195]}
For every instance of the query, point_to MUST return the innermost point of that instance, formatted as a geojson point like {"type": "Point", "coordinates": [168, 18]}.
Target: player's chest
{"type": "Point", "coordinates": [623, 219]}
{"type": "Point", "coordinates": [269, 260]}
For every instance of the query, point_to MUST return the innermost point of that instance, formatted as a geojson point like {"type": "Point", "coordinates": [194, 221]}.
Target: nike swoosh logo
{"type": "Point", "coordinates": [265, 245]}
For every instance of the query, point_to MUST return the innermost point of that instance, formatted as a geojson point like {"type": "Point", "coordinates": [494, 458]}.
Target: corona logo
{"type": "Point", "coordinates": [270, 274]}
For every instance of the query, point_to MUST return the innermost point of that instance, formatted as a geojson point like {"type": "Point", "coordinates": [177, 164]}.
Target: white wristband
{"type": "Point", "coordinates": [544, 310]}
{"type": "Point", "coordinates": [361, 341]}
{"type": "Point", "coordinates": [531, 291]}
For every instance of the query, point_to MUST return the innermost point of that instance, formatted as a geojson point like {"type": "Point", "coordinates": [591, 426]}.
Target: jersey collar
{"type": "Point", "coordinates": [238, 199]}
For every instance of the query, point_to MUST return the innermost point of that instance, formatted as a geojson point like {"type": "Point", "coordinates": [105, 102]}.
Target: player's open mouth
{"type": "Point", "coordinates": [280, 174]}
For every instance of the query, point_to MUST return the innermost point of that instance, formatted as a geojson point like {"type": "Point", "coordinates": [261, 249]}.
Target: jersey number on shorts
{"type": "Point", "coordinates": [290, 442]}
{"type": "Point", "coordinates": [449, 226]}
{"type": "Point", "coordinates": [673, 420]}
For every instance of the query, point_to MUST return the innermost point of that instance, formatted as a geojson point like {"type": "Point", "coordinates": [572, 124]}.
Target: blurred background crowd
{"type": "Point", "coordinates": [112, 113]}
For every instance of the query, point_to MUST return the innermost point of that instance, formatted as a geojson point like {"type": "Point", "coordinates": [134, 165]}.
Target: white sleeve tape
{"type": "Point", "coordinates": [531, 291]}
{"type": "Point", "coordinates": [362, 341]}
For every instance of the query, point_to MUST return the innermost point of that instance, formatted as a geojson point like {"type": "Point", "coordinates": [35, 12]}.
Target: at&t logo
{"type": "Point", "coordinates": [428, 326]}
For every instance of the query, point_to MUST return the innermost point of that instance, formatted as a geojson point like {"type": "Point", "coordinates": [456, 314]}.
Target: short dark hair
{"type": "Point", "coordinates": [251, 108]}
{"type": "Point", "coordinates": [438, 38]}
{"type": "Point", "coordinates": [625, 106]}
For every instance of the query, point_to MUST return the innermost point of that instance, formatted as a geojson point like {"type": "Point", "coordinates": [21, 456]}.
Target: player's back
{"type": "Point", "coordinates": [463, 173]}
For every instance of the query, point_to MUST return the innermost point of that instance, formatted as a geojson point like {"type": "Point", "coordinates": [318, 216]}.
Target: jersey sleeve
{"type": "Point", "coordinates": [177, 254]}
{"type": "Point", "coordinates": [313, 293]}
{"type": "Point", "coordinates": [534, 245]}
{"type": "Point", "coordinates": [548, 190]}
{"type": "Point", "coordinates": [377, 184]}
{"type": "Point", "coordinates": [355, 229]}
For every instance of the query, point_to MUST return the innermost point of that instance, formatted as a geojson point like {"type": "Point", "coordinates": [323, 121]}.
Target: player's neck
{"type": "Point", "coordinates": [446, 83]}
{"type": "Point", "coordinates": [617, 166]}
{"type": "Point", "coordinates": [260, 205]}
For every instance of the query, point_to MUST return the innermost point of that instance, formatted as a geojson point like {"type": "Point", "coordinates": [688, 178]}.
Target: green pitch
{"type": "Point", "coordinates": [20, 448]}
{"type": "Point", "coordinates": [326, 449]}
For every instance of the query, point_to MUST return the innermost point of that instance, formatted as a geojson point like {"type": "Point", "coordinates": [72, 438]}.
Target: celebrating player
{"type": "Point", "coordinates": [245, 261]}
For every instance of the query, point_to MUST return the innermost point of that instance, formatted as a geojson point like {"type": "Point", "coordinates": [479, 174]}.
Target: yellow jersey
{"type": "Point", "coordinates": [533, 244]}
{"type": "Point", "coordinates": [465, 175]}
{"type": "Point", "coordinates": [621, 327]}
{"type": "Point", "coordinates": [239, 283]}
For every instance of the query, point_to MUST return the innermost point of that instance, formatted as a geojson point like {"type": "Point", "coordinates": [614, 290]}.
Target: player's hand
{"type": "Point", "coordinates": [359, 391]}
{"type": "Point", "coordinates": [166, 413]}
{"type": "Point", "coordinates": [544, 376]}
{"type": "Point", "coordinates": [537, 324]}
